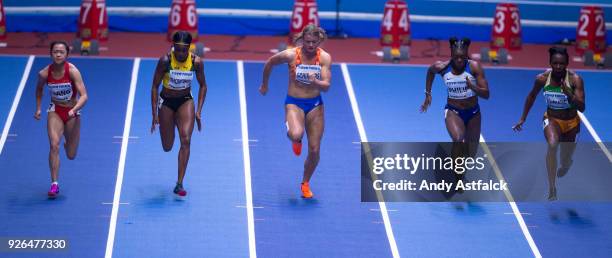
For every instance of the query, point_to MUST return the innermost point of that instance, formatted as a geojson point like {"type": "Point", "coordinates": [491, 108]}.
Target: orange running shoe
{"type": "Point", "coordinates": [306, 193]}
{"type": "Point", "coordinates": [297, 148]}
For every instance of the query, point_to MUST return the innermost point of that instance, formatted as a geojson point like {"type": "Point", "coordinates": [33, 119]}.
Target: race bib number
{"type": "Point", "coordinates": [556, 100]}
{"type": "Point", "coordinates": [458, 88]}
{"type": "Point", "coordinates": [302, 72]}
{"type": "Point", "coordinates": [61, 92]}
{"type": "Point", "coordinates": [180, 80]}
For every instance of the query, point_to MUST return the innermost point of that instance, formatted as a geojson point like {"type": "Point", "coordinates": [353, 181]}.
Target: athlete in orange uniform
{"type": "Point", "coordinates": [309, 74]}
{"type": "Point", "coordinates": [64, 82]}
{"type": "Point", "coordinates": [564, 93]}
{"type": "Point", "coordinates": [174, 107]}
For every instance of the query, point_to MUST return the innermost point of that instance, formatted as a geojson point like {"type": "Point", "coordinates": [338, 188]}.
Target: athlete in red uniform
{"type": "Point", "coordinates": [64, 82]}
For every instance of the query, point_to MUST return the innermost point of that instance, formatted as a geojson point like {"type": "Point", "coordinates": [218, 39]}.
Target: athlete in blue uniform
{"type": "Point", "coordinates": [465, 82]}
{"type": "Point", "coordinates": [309, 74]}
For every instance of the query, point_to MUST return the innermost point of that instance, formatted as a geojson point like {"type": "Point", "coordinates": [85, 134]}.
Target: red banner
{"type": "Point", "coordinates": [591, 30]}
{"type": "Point", "coordinates": [183, 16]}
{"type": "Point", "coordinates": [2, 22]}
{"type": "Point", "coordinates": [506, 28]}
{"type": "Point", "coordinates": [304, 12]}
{"type": "Point", "coordinates": [93, 20]}
{"type": "Point", "coordinates": [395, 27]}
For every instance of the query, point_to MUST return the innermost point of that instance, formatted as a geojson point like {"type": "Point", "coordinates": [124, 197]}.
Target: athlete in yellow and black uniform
{"type": "Point", "coordinates": [174, 107]}
{"type": "Point", "coordinates": [177, 78]}
{"type": "Point", "coordinates": [564, 93]}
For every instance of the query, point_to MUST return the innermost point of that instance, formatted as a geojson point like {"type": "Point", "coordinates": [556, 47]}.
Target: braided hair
{"type": "Point", "coordinates": [455, 43]}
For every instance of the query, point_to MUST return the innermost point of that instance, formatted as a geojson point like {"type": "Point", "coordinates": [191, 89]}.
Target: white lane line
{"type": "Point", "coordinates": [364, 138]}
{"type": "Point", "coordinates": [247, 159]}
{"type": "Point", "coordinates": [11, 115]}
{"type": "Point", "coordinates": [121, 167]}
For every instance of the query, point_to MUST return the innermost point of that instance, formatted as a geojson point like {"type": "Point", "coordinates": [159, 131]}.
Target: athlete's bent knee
{"type": "Point", "coordinates": [458, 138]}
{"type": "Point", "coordinates": [71, 156]}
{"type": "Point", "coordinates": [295, 135]}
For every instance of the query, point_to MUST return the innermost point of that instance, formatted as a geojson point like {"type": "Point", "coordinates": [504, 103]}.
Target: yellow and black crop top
{"type": "Point", "coordinates": [179, 75]}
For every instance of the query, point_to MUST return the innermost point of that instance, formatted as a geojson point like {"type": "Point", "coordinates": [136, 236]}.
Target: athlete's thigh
{"type": "Point", "coordinates": [473, 128]}
{"type": "Point", "coordinates": [55, 128]}
{"type": "Point", "coordinates": [295, 118]}
{"type": "Point", "coordinates": [185, 117]}
{"type": "Point", "coordinates": [552, 131]}
{"type": "Point", "coordinates": [72, 133]}
{"type": "Point", "coordinates": [315, 125]}
{"type": "Point", "coordinates": [454, 125]}
{"type": "Point", "coordinates": [571, 135]}
{"type": "Point", "coordinates": [166, 125]}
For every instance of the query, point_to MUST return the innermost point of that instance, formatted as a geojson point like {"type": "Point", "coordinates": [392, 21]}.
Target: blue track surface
{"type": "Point", "coordinates": [78, 215]}
{"type": "Point", "coordinates": [212, 221]}
{"type": "Point", "coordinates": [335, 223]}
{"type": "Point", "coordinates": [560, 229]}
{"type": "Point", "coordinates": [423, 229]}
{"type": "Point", "coordinates": [12, 70]}
{"type": "Point", "coordinates": [208, 223]}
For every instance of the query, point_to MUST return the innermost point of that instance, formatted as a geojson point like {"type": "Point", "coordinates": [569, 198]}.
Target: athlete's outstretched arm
{"type": "Point", "coordinates": [482, 86]}
{"type": "Point", "coordinates": [325, 81]}
{"type": "Point", "coordinates": [76, 77]}
{"type": "Point", "coordinates": [203, 89]}
{"type": "Point", "coordinates": [279, 58]}
{"type": "Point", "coordinates": [160, 69]}
{"type": "Point", "coordinates": [42, 78]}
{"type": "Point", "coordinates": [576, 97]}
{"type": "Point", "coordinates": [434, 69]}
{"type": "Point", "coordinates": [537, 87]}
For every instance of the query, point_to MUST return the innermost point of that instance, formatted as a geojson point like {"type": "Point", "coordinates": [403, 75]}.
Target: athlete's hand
{"type": "Point", "coordinates": [312, 77]}
{"type": "Point", "coordinates": [518, 126]}
{"type": "Point", "coordinates": [426, 103]}
{"type": "Point", "coordinates": [566, 90]}
{"type": "Point", "coordinates": [71, 113]}
{"type": "Point", "coordinates": [154, 123]}
{"type": "Point", "coordinates": [37, 115]}
{"type": "Point", "coordinates": [198, 119]}
{"type": "Point", "coordinates": [469, 83]}
{"type": "Point", "coordinates": [263, 89]}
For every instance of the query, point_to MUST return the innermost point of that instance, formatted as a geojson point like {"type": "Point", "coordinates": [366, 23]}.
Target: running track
{"type": "Point", "coordinates": [244, 195]}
